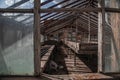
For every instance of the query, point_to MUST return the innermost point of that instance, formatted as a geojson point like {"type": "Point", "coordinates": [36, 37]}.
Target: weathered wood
{"type": "Point", "coordinates": [16, 11]}
{"type": "Point", "coordinates": [70, 10]}
{"type": "Point", "coordinates": [59, 26]}
{"type": "Point", "coordinates": [37, 39]}
{"type": "Point", "coordinates": [62, 28]}
{"type": "Point", "coordinates": [112, 10]}
{"type": "Point", "coordinates": [55, 22]}
{"type": "Point", "coordinates": [89, 25]}
{"type": "Point", "coordinates": [59, 10]}
{"type": "Point", "coordinates": [75, 65]}
{"type": "Point", "coordinates": [101, 24]}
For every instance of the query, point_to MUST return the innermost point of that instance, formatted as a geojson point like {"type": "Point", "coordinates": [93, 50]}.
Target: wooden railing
{"type": "Point", "coordinates": [83, 48]}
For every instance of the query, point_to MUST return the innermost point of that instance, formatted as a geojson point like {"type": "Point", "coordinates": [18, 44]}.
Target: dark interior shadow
{"type": "Point", "coordinates": [59, 58]}
{"type": "Point", "coordinates": [90, 60]}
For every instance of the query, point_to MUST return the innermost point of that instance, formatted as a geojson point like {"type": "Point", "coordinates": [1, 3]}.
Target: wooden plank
{"type": "Point", "coordinates": [84, 76]}
{"type": "Point", "coordinates": [37, 39]}
{"type": "Point", "coordinates": [76, 67]}
{"type": "Point", "coordinates": [59, 10]}
{"type": "Point", "coordinates": [115, 10]}
{"type": "Point", "coordinates": [73, 45]}
{"type": "Point", "coordinates": [92, 76]}
{"type": "Point", "coordinates": [16, 10]}
{"type": "Point", "coordinates": [101, 24]}
{"type": "Point", "coordinates": [70, 10]}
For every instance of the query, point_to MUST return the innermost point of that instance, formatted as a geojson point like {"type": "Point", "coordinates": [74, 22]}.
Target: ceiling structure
{"type": "Point", "coordinates": [53, 22]}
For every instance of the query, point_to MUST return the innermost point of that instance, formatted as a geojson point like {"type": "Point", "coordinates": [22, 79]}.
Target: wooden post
{"type": "Point", "coordinates": [89, 27]}
{"type": "Point", "coordinates": [76, 38]}
{"type": "Point", "coordinates": [101, 24]}
{"type": "Point", "coordinates": [37, 37]}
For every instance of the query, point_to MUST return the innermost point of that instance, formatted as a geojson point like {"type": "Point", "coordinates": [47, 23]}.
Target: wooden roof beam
{"type": "Point", "coordinates": [58, 26]}
{"type": "Point", "coordinates": [64, 12]}
{"type": "Point", "coordinates": [60, 21]}
{"type": "Point", "coordinates": [70, 10]}
{"type": "Point", "coordinates": [86, 20]}
{"type": "Point", "coordinates": [80, 29]}
{"type": "Point", "coordinates": [23, 1]}
{"type": "Point", "coordinates": [86, 17]}
{"type": "Point", "coordinates": [60, 10]}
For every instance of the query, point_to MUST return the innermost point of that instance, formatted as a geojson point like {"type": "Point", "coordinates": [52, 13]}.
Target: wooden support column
{"type": "Point", "coordinates": [101, 24]}
{"type": "Point", "coordinates": [76, 30]}
{"type": "Point", "coordinates": [37, 37]}
{"type": "Point", "coordinates": [89, 25]}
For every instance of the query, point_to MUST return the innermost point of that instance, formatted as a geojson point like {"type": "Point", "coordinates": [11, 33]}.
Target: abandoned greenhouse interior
{"type": "Point", "coordinates": [59, 39]}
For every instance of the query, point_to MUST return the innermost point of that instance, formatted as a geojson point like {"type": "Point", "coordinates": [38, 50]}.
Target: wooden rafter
{"type": "Point", "coordinates": [59, 21]}
{"type": "Point", "coordinates": [83, 3]}
{"type": "Point", "coordinates": [53, 7]}
{"type": "Point", "coordinates": [59, 26]}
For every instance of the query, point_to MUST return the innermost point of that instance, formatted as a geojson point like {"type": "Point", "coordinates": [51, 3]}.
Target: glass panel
{"type": "Point", "coordinates": [111, 46]}
{"type": "Point", "coordinates": [112, 3]}
{"type": "Point", "coordinates": [16, 44]}
{"type": "Point", "coordinates": [27, 4]}
{"type": "Point", "coordinates": [43, 1]}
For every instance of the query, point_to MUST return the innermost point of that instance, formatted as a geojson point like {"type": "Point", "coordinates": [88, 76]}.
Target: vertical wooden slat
{"type": "Point", "coordinates": [103, 27]}
{"type": "Point", "coordinates": [37, 37]}
{"type": "Point", "coordinates": [101, 24]}
{"type": "Point", "coordinates": [89, 25]}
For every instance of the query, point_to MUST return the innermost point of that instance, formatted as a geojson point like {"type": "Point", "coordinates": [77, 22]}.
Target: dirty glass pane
{"type": "Point", "coordinates": [111, 46]}
{"type": "Point", "coordinates": [16, 44]}
{"type": "Point", "coordinates": [112, 3]}
{"type": "Point", "coordinates": [61, 3]}
{"type": "Point", "coordinates": [27, 4]}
